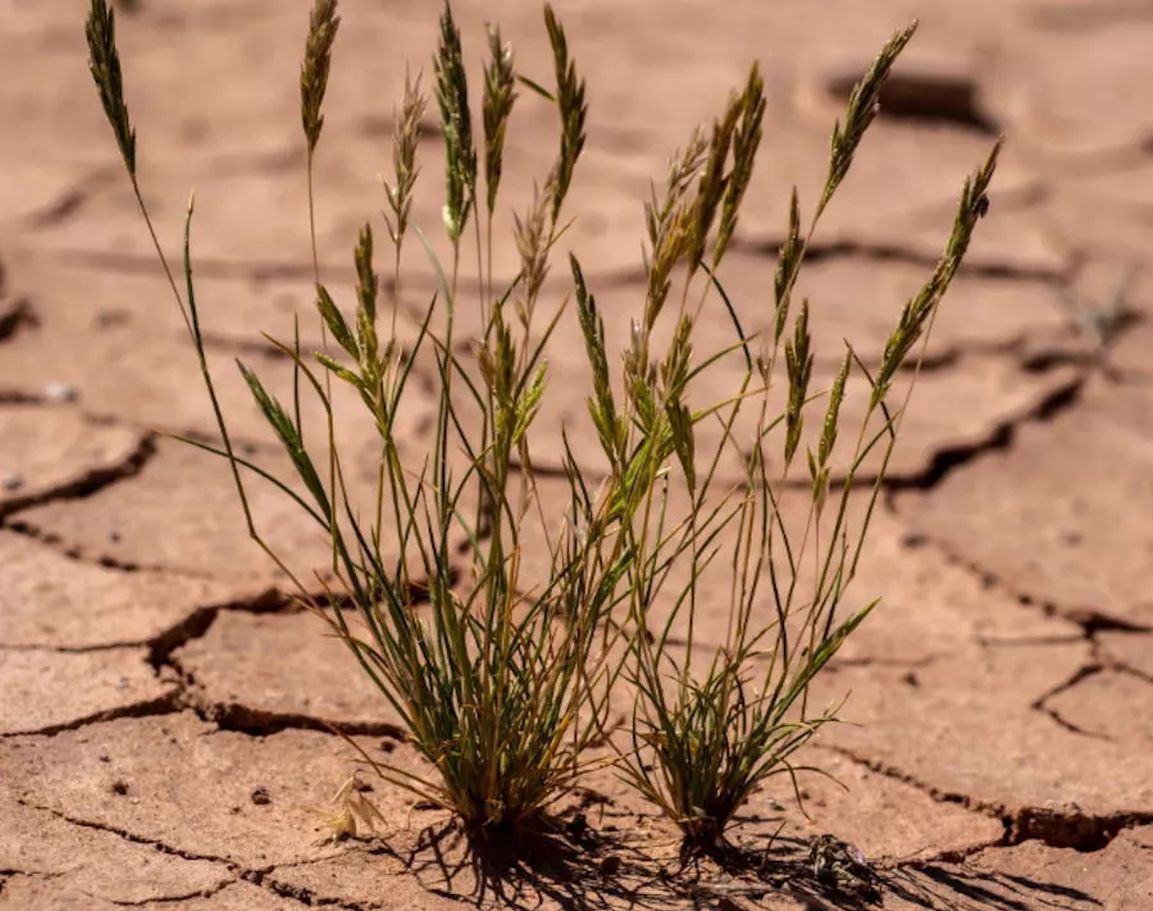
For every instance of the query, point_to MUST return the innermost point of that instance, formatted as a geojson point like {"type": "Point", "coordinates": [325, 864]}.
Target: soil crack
{"type": "Point", "coordinates": [1040, 703]}
{"type": "Point", "coordinates": [14, 315]}
{"type": "Point", "coordinates": [166, 704]}
{"type": "Point", "coordinates": [91, 482]}
{"type": "Point", "coordinates": [169, 899]}
{"type": "Point", "coordinates": [307, 896]}
{"type": "Point", "coordinates": [132, 837]}
{"type": "Point", "coordinates": [239, 872]}
{"type": "Point", "coordinates": [1057, 825]}
{"type": "Point", "coordinates": [1090, 619]}
{"type": "Point", "coordinates": [945, 461]}
{"type": "Point", "coordinates": [242, 719]}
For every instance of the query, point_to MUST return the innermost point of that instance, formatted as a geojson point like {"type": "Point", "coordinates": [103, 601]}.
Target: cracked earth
{"type": "Point", "coordinates": [168, 717]}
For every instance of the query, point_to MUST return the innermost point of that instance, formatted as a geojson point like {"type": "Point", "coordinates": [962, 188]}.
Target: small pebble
{"type": "Point", "coordinates": [261, 797]}
{"type": "Point", "coordinates": [611, 865]}
{"type": "Point", "coordinates": [119, 788]}
{"type": "Point", "coordinates": [60, 392]}
{"type": "Point", "coordinates": [11, 482]}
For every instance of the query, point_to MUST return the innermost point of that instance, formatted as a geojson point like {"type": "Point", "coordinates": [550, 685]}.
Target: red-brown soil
{"type": "Point", "coordinates": [165, 710]}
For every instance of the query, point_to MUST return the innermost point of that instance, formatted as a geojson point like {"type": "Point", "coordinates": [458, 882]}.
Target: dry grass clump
{"type": "Point", "coordinates": [503, 683]}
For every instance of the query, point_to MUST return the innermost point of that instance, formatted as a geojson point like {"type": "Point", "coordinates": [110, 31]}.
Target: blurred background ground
{"type": "Point", "coordinates": [164, 711]}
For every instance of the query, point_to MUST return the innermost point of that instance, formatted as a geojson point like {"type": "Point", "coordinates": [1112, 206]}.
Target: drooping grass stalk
{"type": "Point", "coordinates": [104, 63]}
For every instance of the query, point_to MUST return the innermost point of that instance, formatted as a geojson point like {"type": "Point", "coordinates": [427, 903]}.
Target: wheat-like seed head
{"type": "Point", "coordinates": [104, 62]}
{"type": "Point", "coordinates": [570, 100]}
{"type": "Point", "coordinates": [533, 245]}
{"type": "Point", "coordinates": [799, 369]}
{"type": "Point", "coordinates": [713, 182]}
{"type": "Point", "coordinates": [864, 102]}
{"type": "Point", "coordinates": [322, 27]}
{"type": "Point", "coordinates": [671, 223]}
{"type": "Point", "coordinates": [746, 142]}
{"type": "Point", "coordinates": [456, 120]}
{"type": "Point", "coordinates": [499, 97]}
{"type": "Point", "coordinates": [918, 311]}
{"type": "Point", "coordinates": [788, 264]}
{"type": "Point", "coordinates": [405, 138]}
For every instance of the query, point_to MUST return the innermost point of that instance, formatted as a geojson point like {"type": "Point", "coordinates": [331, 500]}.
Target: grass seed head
{"type": "Point", "coordinates": [533, 245]}
{"type": "Point", "coordinates": [799, 367]}
{"type": "Point", "coordinates": [746, 143]}
{"type": "Point", "coordinates": [499, 98]}
{"type": "Point", "coordinates": [864, 103]}
{"type": "Point", "coordinates": [919, 310]}
{"type": "Point", "coordinates": [405, 138]}
{"type": "Point", "coordinates": [456, 121]}
{"type": "Point", "coordinates": [671, 223]}
{"type": "Point", "coordinates": [601, 404]}
{"type": "Point", "coordinates": [323, 23]}
{"type": "Point", "coordinates": [712, 183]}
{"type": "Point", "coordinates": [104, 62]}
{"type": "Point", "coordinates": [788, 266]}
{"type": "Point", "coordinates": [570, 101]}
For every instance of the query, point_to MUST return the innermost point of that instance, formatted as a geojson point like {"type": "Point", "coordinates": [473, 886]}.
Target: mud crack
{"type": "Point", "coordinates": [238, 871]}
{"type": "Point", "coordinates": [1059, 825]}
{"type": "Point", "coordinates": [1090, 619]}
{"type": "Point", "coordinates": [1040, 704]}
{"type": "Point", "coordinates": [241, 719]}
{"type": "Point", "coordinates": [14, 315]}
{"type": "Point", "coordinates": [87, 484]}
{"type": "Point", "coordinates": [162, 705]}
{"type": "Point", "coordinates": [1000, 438]}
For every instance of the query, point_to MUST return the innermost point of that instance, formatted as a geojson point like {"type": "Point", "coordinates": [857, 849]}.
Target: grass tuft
{"type": "Point", "coordinates": [502, 676]}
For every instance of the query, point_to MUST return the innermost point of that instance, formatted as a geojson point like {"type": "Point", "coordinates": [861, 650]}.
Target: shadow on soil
{"type": "Point", "coordinates": [575, 869]}
{"type": "Point", "coordinates": [952, 887]}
